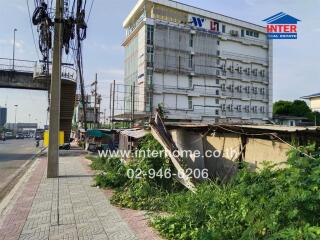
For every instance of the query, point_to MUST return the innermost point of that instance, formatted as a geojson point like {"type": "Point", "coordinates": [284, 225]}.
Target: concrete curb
{"type": "Point", "coordinates": [19, 177]}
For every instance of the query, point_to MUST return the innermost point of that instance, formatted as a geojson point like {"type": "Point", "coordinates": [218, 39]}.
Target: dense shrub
{"type": "Point", "coordinates": [113, 172]}
{"type": "Point", "coordinates": [271, 204]}
{"type": "Point", "coordinates": [137, 193]}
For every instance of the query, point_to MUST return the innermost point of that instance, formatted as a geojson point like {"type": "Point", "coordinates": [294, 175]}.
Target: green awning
{"type": "Point", "coordinates": [95, 133]}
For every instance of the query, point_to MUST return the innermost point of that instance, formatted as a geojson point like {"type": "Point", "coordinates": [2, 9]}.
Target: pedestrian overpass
{"type": "Point", "coordinates": [25, 74]}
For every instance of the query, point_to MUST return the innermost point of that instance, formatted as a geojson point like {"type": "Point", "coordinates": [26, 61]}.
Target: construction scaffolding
{"type": "Point", "coordinates": [174, 49]}
{"type": "Point", "coordinates": [126, 103]}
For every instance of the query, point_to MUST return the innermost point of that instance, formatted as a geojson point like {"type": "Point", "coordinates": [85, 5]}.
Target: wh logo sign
{"type": "Point", "coordinates": [198, 22]}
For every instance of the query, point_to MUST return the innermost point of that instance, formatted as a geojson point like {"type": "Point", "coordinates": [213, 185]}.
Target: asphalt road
{"type": "Point", "coordinates": [13, 155]}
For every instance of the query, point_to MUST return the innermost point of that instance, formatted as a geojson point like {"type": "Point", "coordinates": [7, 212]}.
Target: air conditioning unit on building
{"type": "Point", "coordinates": [234, 33]}
{"type": "Point", "coordinates": [254, 72]}
{"type": "Point", "coordinates": [239, 88]}
{"type": "Point", "coordinates": [231, 88]}
{"type": "Point", "coordinates": [254, 108]}
{"type": "Point", "coordinates": [230, 107]}
{"type": "Point", "coordinates": [230, 68]}
{"type": "Point", "coordinates": [254, 90]}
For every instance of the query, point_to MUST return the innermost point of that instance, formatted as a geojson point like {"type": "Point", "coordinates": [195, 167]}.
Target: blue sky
{"type": "Point", "coordinates": [295, 61]}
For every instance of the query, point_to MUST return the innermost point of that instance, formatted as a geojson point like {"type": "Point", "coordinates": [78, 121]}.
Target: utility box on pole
{"type": "Point", "coordinates": [54, 127]}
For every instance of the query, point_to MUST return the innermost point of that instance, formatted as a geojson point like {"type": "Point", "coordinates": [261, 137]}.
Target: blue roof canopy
{"type": "Point", "coordinates": [281, 18]}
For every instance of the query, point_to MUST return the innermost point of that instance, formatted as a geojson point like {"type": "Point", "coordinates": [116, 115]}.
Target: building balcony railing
{"type": "Point", "coordinates": [245, 96]}
{"type": "Point", "coordinates": [243, 58]}
{"type": "Point", "coordinates": [195, 90]}
{"type": "Point", "coordinates": [67, 72]}
{"type": "Point", "coordinates": [243, 76]}
{"type": "Point", "coordinates": [17, 65]}
{"type": "Point", "coordinates": [245, 40]}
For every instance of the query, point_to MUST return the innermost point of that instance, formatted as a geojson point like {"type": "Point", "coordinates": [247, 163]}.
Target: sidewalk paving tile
{"type": "Point", "coordinates": [69, 208]}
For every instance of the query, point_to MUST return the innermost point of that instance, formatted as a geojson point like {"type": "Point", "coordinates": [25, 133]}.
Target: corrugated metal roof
{"type": "Point", "coordinates": [279, 128]}
{"type": "Point", "coordinates": [134, 133]}
{"type": "Point", "coordinates": [311, 96]}
{"type": "Point", "coordinates": [270, 127]}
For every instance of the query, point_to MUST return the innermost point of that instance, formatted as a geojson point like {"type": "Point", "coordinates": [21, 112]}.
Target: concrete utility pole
{"type": "Point", "coordinates": [14, 47]}
{"type": "Point", "coordinates": [113, 98]}
{"type": "Point", "coordinates": [95, 94]}
{"type": "Point", "coordinates": [15, 113]}
{"type": "Point", "coordinates": [54, 127]}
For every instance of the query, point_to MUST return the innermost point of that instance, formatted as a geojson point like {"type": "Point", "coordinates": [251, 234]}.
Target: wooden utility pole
{"type": "Point", "coordinates": [54, 127]}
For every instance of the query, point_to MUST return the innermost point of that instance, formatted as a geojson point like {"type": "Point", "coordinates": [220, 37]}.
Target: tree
{"type": "Point", "coordinates": [297, 108]}
{"type": "Point", "coordinates": [282, 108]}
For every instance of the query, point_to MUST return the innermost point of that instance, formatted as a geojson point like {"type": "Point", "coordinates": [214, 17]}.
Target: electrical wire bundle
{"type": "Point", "coordinates": [41, 19]}
{"type": "Point", "coordinates": [74, 32]}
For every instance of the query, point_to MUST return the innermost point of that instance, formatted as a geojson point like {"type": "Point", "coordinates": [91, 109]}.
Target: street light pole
{"type": "Point", "coordinates": [15, 118]}
{"type": "Point", "coordinates": [15, 114]}
{"type": "Point", "coordinates": [14, 47]}
{"type": "Point", "coordinates": [54, 124]}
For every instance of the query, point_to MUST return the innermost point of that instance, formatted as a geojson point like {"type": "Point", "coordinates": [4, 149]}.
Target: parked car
{"type": "Point", "coordinates": [8, 135]}
{"type": "Point", "coordinates": [19, 136]}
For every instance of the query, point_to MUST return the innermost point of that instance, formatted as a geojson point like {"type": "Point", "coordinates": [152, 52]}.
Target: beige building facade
{"type": "Point", "coordinates": [313, 101]}
{"type": "Point", "coordinates": [199, 65]}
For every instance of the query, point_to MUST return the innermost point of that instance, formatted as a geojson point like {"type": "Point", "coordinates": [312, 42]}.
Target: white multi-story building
{"type": "Point", "coordinates": [199, 65]}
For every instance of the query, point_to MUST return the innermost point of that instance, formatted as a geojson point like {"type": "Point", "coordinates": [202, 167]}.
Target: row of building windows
{"type": "Point", "coordinates": [190, 82]}
{"type": "Point", "coordinates": [240, 108]}
{"type": "Point", "coordinates": [244, 32]}
{"type": "Point", "coordinates": [150, 34]}
{"type": "Point", "coordinates": [190, 104]}
{"type": "Point", "coordinates": [232, 108]}
{"type": "Point", "coordinates": [245, 89]}
{"type": "Point", "coordinates": [240, 70]}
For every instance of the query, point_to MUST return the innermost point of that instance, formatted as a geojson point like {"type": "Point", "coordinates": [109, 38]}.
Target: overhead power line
{"type": "Point", "coordinates": [34, 39]}
{"type": "Point", "coordinates": [90, 11]}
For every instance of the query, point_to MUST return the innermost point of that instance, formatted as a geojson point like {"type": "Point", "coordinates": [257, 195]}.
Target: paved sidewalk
{"type": "Point", "coordinates": [64, 208]}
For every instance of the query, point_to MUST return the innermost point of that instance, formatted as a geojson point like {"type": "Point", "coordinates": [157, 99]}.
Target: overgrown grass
{"type": "Point", "coordinates": [270, 204]}
{"type": "Point", "coordinates": [138, 193]}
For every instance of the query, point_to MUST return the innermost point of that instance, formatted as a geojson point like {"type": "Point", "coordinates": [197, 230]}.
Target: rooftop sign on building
{"type": "Point", "coordinates": [203, 23]}
{"type": "Point", "coordinates": [281, 26]}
